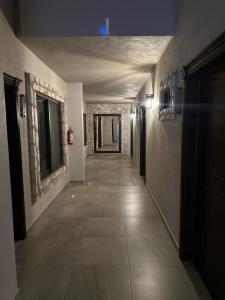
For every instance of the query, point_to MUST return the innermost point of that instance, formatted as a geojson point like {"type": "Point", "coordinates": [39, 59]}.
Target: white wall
{"type": "Point", "coordinates": [199, 23]}
{"type": "Point", "coordinates": [16, 59]}
{"type": "Point", "coordinates": [75, 120]}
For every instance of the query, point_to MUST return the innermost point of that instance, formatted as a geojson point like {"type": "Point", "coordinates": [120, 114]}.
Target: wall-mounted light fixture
{"type": "Point", "coordinates": [149, 96]}
{"type": "Point", "coordinates": [148, 100]}
{"type": "Point", "coordinates": [23, 108]}
{"type": "Point", "coordinates": [105, 31]}
{"type": "Point", "coordinates": [132, 114]}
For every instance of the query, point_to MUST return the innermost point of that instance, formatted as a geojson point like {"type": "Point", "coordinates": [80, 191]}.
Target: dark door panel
{"type": "Point", "coordinates": [202, 229]}
{"type": "Point", "coordinates": [15, 157]}
{"type": "Point", "coordinates": [142, 118]}
{"type": "Point", "coordinates": [210, 248]}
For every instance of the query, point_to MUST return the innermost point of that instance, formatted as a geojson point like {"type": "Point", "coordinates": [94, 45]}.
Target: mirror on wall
{"type": "Point", "coordinates": [107, 133]}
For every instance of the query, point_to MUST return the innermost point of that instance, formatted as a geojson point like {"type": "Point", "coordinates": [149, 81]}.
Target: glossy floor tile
{"type": "Point", "coordinates": [99, 283]}
{"type": "Point", "coordinates": [102, 239]}
{"type": "Point", "coordinates": [161, 282]}
{"type": "Point", "coordinates": [105, 227]}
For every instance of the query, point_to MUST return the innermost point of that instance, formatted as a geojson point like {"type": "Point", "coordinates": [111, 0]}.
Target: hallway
{"type": "Point", "coordinates": [100, 240]}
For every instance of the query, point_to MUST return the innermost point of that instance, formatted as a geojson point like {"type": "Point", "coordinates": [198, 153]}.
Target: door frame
{"type": "Point", "coordinates": [142, 125]}
{"type": "Point", "coordinates": [95, 128]}
{"type": "Point", "coordinates": [131, 137]}
{"type": "Point", "coordinates": [19, 205]}
{"type": "Point", "coordinates": [99, 129]}
{"type": "Point", "coordinates": [213, 54]}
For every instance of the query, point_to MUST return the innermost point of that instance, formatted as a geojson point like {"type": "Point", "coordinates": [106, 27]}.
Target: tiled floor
{"type": "Point", "coordinates": [113, 147]}
{"type": "Point", "coordinates": [102, 240]}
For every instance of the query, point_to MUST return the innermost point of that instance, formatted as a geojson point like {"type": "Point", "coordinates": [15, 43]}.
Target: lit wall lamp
{"type": "Point", "coordinates": [132, 114]}
{"type": "Point", "coordinates": [148, 101]}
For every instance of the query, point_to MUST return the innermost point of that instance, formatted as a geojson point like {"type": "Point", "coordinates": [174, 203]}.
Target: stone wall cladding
{"type": "Point", "coordinates": [123, 109]}
{"type": "Point", "coordinates": [38, 186]}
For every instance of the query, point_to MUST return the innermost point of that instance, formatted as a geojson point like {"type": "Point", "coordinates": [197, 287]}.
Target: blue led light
{"type": "Point", "coordinates": [103, 30]}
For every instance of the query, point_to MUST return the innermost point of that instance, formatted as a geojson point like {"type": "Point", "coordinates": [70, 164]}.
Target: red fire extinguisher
{"type": "Point", "coordinates": [70, 136]}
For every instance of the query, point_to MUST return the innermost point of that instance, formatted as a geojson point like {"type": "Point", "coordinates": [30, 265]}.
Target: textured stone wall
{"type": "Point", "coordinates": [39, 186]}
{"type": "Point", "coordinates": [85, 111]}
{"type": "Point", "coordinates": [123, 109]}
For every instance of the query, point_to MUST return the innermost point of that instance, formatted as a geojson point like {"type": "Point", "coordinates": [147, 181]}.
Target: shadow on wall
{"type": "Point", "coordinates": [9, 8]}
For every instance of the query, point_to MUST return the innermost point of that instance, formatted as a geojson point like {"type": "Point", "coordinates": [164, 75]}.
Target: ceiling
{"type": "Point", "coordinates": [111, 69]}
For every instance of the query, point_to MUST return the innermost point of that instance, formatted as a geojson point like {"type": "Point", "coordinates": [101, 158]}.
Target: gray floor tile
{"type": "Point", "coordinates": [137, 198]}
{"type": "Point", "coordinates": [43, 226]}
{"type": "Point", "coordinates": [140, 210]}
{"type": "Point", "coordinates": [44, 252]}
{"type": "Point", "coordinates": [161, 283]}
{"type": "Point", "coordinates": [148, 250]}
{"type": "Point", "coordinates": [99, 283]}
{"type": "Point", "coordinates": [94, 251]}
{"type": "Point", "coordinates": [56, 226]}
{"type": "Point", "coordinates": [23, 250]}
{"type": "Point", "coordinates": [104, 227]}
{"type": "Point", "coordinates": [151, 226]}
{"type": "Point", "coordinates": [93, 234]}
{"type": "Point", "coordinates": [111, 210]}
{"type": "Point", "coordinates": [43, 283]}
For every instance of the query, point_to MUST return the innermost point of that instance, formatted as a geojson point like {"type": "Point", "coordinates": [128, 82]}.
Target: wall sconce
{"type": "Point", "coordinates": [148, 102]}
{"type": "Point", "coordinates": [132, 114]}
{"type": "Point", "coordinates": [149, 96]}
{"type": "Point", "coordinates": [23, 108]}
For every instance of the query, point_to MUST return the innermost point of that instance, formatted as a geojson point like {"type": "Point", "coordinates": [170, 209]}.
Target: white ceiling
{"type": "Point", "coordinates": [110, 70]}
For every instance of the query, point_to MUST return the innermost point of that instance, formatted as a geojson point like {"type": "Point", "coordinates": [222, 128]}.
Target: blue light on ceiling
{"type": "Point", "coordinates": [103, 30]}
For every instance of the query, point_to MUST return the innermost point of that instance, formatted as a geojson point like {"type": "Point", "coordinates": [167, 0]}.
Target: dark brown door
{"type": "Point", "coordinates": [15, 157]}
{"type": "Point", "coordinates": [99, 132]}
{"type": "Point", "coordinates": [131, 138]}
{"type": "Point", "coordinates": [210, 242]}
{"type": "Point", "coordinates": [142, 118]}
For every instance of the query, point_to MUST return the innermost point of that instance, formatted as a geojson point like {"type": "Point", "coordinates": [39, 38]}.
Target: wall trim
{"type": "Point", "coordinates": [213, 51]}
{"type": "Point", "coordinates": [39, 186]}
{"type": "Point", "coordinates": [163, 218]}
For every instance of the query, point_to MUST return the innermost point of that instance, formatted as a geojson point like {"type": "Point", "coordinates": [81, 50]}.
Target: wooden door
{"type": "Point", "coordinates": [210, 239]}
{"type": "Point", "coordinates": [15, 157]}
{"type": "Point", "coordinates": [142, 120]}
{"type": "Point", "coordinates": [99, 132]}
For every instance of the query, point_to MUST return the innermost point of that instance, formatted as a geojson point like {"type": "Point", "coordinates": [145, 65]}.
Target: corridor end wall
{"type": "Point", "coordinates": [108, 108]}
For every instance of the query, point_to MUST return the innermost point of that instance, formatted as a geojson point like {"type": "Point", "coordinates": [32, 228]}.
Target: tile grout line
{"type": "Point", "coordinates": [129, 269]}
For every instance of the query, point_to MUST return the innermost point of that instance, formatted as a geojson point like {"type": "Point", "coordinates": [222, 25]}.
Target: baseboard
{"type": "Point", "coordinates": [136, 165]}
{"type": "Point", "coordinates": [163, 218]}
{"type": "Point", "coordinates": [17, 291]}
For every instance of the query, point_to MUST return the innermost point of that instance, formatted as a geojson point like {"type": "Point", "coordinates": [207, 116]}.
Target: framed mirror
{"type": "Point", "coordinates": [107, 133]}
{"type": "Point", "coordinates": [167, 98]}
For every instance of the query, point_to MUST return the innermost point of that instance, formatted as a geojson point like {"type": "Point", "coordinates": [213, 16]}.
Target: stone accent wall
{"type": "Point", "coordinates": [39, 186]}
{"type": "Point", "coordinates": [123, 109]}
{"type": "Point", "coordinates": [85, 111]}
